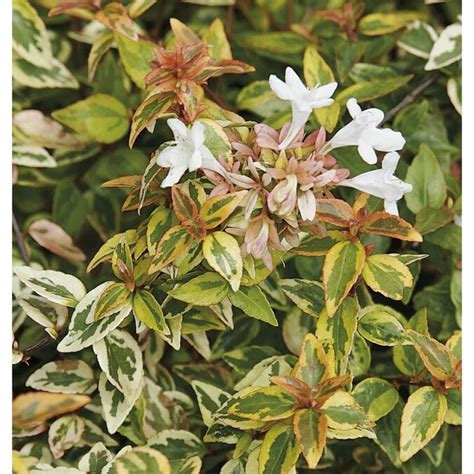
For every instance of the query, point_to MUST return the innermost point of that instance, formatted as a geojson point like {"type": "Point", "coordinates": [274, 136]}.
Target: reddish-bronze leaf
{"type": "Point", "coordinates": [383, 223]}
{"type": "Point", "coordinates": [334, 211]}
{"type": "Point", "coordinates": [187, 212]}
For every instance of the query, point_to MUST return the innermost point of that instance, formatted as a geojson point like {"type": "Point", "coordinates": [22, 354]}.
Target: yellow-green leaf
{"type": "Point", "coordinates": [318, 72]}
{"type": "Point", "coordinates": [149, 312]}
{"type": "Point", "coordinates": [222, 252]}
{"type": "Point", "coordinates": [342, 266]}
{"type": "Point", "coordinates": [173, 242]}
{"type": "Point", "coordinates": [377, 396]}
{"type": "Point", "coordinates": [253, 302]}
{"type": "Point", "coordinates": [384, 23]}
{"type": "Point", "coordinates": [387, 275]}
{"type": "Point", "coordinates": [344, 413]}
{"type": "Point", "coordinates": [422, 418]}
{"type": "Point", "coordinates": [218, 208]}
{"type": "Point", "coordinates": [279, 451]}
{"type": "Point", "coordinates": [310, 427]}
{"type": "Point", "coordinates": [204, 290]}
{"type": "Point", "coordinates": [313, 366]}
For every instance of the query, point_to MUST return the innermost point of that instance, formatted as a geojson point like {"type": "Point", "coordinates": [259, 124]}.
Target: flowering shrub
{"type": "Point", "coordinates": [240, 266]}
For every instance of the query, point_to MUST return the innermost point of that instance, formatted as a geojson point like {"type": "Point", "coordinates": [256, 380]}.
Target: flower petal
{"type": "Point", "coordinates": [295, 83]}
{"type": "Point", "coordinates": [367, 152]}
{"type": "Point", "coordinates": [179, 129]}
{"type": "Point", "coordinates": [323, 92]}
{"type": "Point", "coordinates": [165, 157]}
{"type": "Point", "coordinates": [391, 207]}
{"type": "Point", "coordinates": [353, 107]}
{"type": "Point", "coordinates": [390, 162]}
{"type": "Point", "coordinates": [174, 175]}
{"type": "Point", "coordinates": [298, 121]}
{"type": "Point", "coordinates": [280, 88]}
{"type": "Point", "coordinates": [386, 139]}
{"type": "Point", "coordinates": [307, 205]}
{"type": "Point", "coordinates": [197, 134]}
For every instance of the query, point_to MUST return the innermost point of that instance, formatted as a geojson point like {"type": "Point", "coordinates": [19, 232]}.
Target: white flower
{"type": "Point", "coordinates": [382, 183]}
{"type": "Point", "coordinates": [363, 132]}
{"type": "Point", "coordinates": [303, 100]}
{"type": "Point", "coordinates": [188, 152]}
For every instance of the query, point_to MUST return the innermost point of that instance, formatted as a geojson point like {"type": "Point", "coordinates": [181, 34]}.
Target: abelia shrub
{"type": "Point", "coordinates": [240, 265]}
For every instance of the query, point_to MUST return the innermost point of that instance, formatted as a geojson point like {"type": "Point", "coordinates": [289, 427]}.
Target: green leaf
{"type": "Point", "coordinates": [55, 286]}
{"type": "Point", "coordinates": [149, 312]}
{"type": "Point", "coordinates": [447, 48]}
{"type": "Point", "coordinates": [310, 427]}
{"type": "Point", "coordinates": [426, 177]}
{"type": "Point", "coordinates": [370, 90]}
{"type": "Point", "coordinates": [376, 396]}
{"type": "Point", "coordinates": [318, 246]}
{"type": "Point", "coordinates": [84, 330]}
{"type": "Point", "coordinates": [428, 219]}
{"type": "Point", "coordinates": [204, 290]}
{"type": "Point", "coordinates": [388, 433]}
{"type": "Point", "coordinates": [115, 296]}
{"type": "Point", "coordinates": [218, 208]}
{"type": "Point", "coordinates": [258, 98]}
{"type": "Point", "coordinates": [308, 295]}
{"type": "Point", "coordinates": [387, 275]}
{"type": "Point", "coordinates": [215, 37]}
{"type": "Point", "coordinates": [454, 412]}
{"type": "Point", "coordinates": [222, 252]}
{"type": "Point", "coordinates": [135, 57]}
{"type": "Point", "coordinates": [383, 23]}
{"type": "Point", "coordinates": [279, 451]}
{"type": "Point", "coordinates": [63, 376]}
{"type": "Point", "coordinates": [317, 72]}
{"type": "Point", "coordinates": [438, 359]}
{"type": "Point", "coordinates": [253, 302]}
{"type": "Point", "coordinates": [422, 418]}
{"type": "Point", "coordinates": [342, 266]}
{"type": "Point", "coordinates": [161, 220]}
{"type": "Point", "coordinates": [100, 117]}
{"type": "Point", "coordinates": [263, 404]}
{"type": "Point", "coordinates": [336, 334]}
{"type": "Point", "coordinates": [120, 358]}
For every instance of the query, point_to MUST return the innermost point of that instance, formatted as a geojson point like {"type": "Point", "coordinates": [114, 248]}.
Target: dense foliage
{"type": "Point", "coordinates": [237, 236]}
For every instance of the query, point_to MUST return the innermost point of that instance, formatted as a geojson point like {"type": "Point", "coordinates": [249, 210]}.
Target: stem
{"type": "Point", "coordinates": [20, 240]}
{"type": "Point", "coordinates": [411, 97]}
{"type": "Point", "coordinates": [289, 13]}
{"type": "Point", "coordinates": [42, 343]}
{"type": "Point", "coordinates": [229, 21]}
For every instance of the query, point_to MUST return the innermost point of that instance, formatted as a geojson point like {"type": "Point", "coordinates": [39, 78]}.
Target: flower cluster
{"type": "Point", "coordinates": [285, 172]}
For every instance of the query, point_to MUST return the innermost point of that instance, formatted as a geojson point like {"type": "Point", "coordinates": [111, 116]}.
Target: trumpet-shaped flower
{"type": "Point", "coordinates": [382, 183]}
{"type": "Point", "coordinates": [303, 100]}
{"type": "Point", "coordinates": [188, 153]}
{"type": "Point", "coordinates": [362, 131]}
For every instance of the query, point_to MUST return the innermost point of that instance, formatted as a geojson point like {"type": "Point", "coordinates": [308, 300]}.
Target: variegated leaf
{"type": "Point", "coordinates": [342, 266]}
{"type": "Point", "coordinates": [344, 413]}
{"type": "Point", "coordinates": [120, 358]}
{"type": "Point", "coordinates": [222, 252]}
{"type": "Point", "coordinates": [148, 311]}
{"type": "Point", "coordinates": [32, 156]}
{"type": "Point", "coordinates": [161, 220]}
{"type": "Point", "coordinates": [422, 418]}
{"type": "Point", "coordinates": [279, 451]}
{"type": "Point", "coordinates": [313, 366]}
{"type": "Point", "coordinates": [100, 46]}
{"type": "Point", "coordinates": [64, 434]}
{"type": "Point", "coordinates": [263, 404]}
{"type": "Point", "coordinates": [378, 325]}
{"type": "Point", "coordinates": [376, 396]}
{"type": "Point", "coordinates": [33, 408]}
{"type": "Point", "coordinates": [317, 246]}
{"type": "Point", "coordinates": [383, 223]}
{"type": "Point", "coordinates": [95, 459]}
{"type": "Point", "coordinates": [47, 314]}
{"type": "Point", "coordinates": [55, 286]}
{"type": "Point", "coordinates": [253, 302]}
{"type": "Point", "coordinates": [447, 48]}
{"type": "Point", "coordinates": [204, 290]}
{"type": "Point", "coordinates": [140, 460]}
{"type": "Point", "coordinates": [260, 374]}
{"type": "Point", "coordinates": [84, 330]}
{"type": "Point", "coordinates": [115, 406]}
{"type": "Point", "coordinates": [438, 359]}
{"type": "Point", "coordinates": [310, 427]}
{"type": "Point", "coordinates": [308, 295]}
{"type": "Point", "coordinates": [210, 398]}
{"type": "Point", "coordinates": [387, 275]}
{"type": "Point", "coordinates": [337, 334]}
{"type": "Point", "coordinates": [173, 242]}
{"type": "Point", "coordinates": [218, 208]}
{"type": "Point", "coordinates": [63, 376]}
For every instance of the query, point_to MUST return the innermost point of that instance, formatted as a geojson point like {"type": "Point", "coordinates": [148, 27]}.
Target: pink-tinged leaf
{"type": "Point", "coordinates": [54, 238]}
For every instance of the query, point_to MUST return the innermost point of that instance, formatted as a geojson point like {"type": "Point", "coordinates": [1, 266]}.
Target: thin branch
{"type": "Point", "coordinates": [42, 343]}
{"type": "Point", "coordinates": [20, 240]}
{"type": "Point", "coordinates": [411, 97]}
{"type": "Point", "coordinates": [229, 21]}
